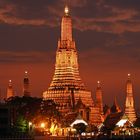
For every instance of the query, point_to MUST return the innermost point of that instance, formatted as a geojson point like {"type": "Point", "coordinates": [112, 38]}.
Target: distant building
{"type": "Point", "coordinates": [112, 119]}
{"type": "Point", "coordinates": [83, 110]}
{"type": "Point", "coordinates": [124, 127]}
{"type": "Point", "coordinates": [99, 101]}
{"type": "Point", "coordinates": [129, 102]}
{"type": "Point", "coordinates": [10, 91]}
{"type": "Point", "coordinates": [106, 110]}
{"type": "Point", "coordinates": [112, 115]}
{"type": "Point", "coordinates": [117, 120]}
{"type": "Point", "coordinates": [115, 108]}
{"type": "Point", "coordinates": [99, 98]}
{"type": "Point", "coordinates": [26, 85]}
{"type": "Point", "coordinates": [67, 87]}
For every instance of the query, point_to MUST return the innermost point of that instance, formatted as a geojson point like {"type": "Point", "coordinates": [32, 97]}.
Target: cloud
{"type": "Point", "coordinates": [25, 57]}
{"type": "Point", "coordinates": [114, 50]}
{"type": "Point", "coordinates": [101, 16]}
{"type": "Point", "coordinates": [78, 3]}
{"type": "Point", "coordinates": [121, 21]}
{"type": "Point", "coordinates": [5, 17]}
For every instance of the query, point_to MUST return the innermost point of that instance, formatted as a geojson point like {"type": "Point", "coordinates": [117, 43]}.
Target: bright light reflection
{"type": "Point", "coordinates": [42, 125]}
{"type": "Point", "coordinates": [78, 121]}
{"type": "Point", "coordinates": [30, 123]}
{"type": "Point", "coordinates": [121, 123]}
{"type": "Point", "coordinates": [66, 10]}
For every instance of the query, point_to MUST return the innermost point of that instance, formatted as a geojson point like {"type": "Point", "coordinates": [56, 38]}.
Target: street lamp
{"type": "Point", "coordinates": [42, 125]}
{"type": "Point", "coordinates": [30, 124]}
{"type": "Point", "coordinates": [30, 127]}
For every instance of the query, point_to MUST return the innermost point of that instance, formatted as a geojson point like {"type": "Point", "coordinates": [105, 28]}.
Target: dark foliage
{"type": "Point", "coordinates": [32, 109]}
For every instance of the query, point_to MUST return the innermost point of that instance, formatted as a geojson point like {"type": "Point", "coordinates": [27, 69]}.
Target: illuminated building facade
{"type": "Point", "coordinates": [99, 98]}
{"type": "Point", "coordinates": [26, 85]}
{"type": "Point", "coordinates": [67, 87]}
{"type": "Point", "coordinates": [10, 91]}
{"type": "Point", "coordinates": [129, 103]}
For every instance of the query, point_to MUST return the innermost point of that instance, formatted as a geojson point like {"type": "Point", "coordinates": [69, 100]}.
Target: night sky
{"type": "Point", "coordinates": [107, 35]}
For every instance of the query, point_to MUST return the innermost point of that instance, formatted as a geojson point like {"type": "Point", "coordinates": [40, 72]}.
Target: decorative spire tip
{"type": "Point", "coordinates": [129, 74]}
{"type": "Point", "coordinates": [66, 10]}
{"type": "Point", "coordinates": [98, 84]}
{"type": "Point", "coordinates": [26, 72]}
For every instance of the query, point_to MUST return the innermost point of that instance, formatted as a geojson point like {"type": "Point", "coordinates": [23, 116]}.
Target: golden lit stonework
{"type": "Point", "coordinates": [99, 98]}
{"type": "Point", "coordinates": [66, 86]}
{"type": "Point", "coordinates": [10, 92]}
{"type": "Point", "coordinates": [129, 103]}
{"type": "Point", "coordinates": [26, 85]}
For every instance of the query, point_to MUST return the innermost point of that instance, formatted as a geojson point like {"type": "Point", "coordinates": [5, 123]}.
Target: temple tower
{"type": "Point", "coordinates": [129, 103]}
{"type": "Point", "coordinates": [99, 98]}
{"type": "Point", "coordinates": [66, 83]}
{"type": "Point", "coordinates": [26, 85]}
{"type": "Point", "coordinates": [115, 108]}
{"type": "Point", "coordinates": [10, 91]}
{"type": "Point", "coordinates": [66, 66]}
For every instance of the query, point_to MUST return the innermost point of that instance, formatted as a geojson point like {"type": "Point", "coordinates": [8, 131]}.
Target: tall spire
{"type": "Point", "coordinates": [66, 75]}
{"type": "Point", "coordinates": [26, 74]}
{"type": "Point", "coordinates": [115, 101]}
{"type": "Point", "coordinates": [10, 92]}
{"type": "Point", "coordinates": [66, 66]}
{"type": "Point", "coordinates": [66, 10]}
{"type": "Point", "coordinates": [98, 84]}
{"type": "Point", "coordinates": [99, 100]}
{"type": "Point", "coordinates": [129, 103]}
{"type": "Point", "coordinates": [66, 27]}
{"type": "Point", "coordinates": [129, 84]}
{"type": "Point", "coordinates": [26, 91]}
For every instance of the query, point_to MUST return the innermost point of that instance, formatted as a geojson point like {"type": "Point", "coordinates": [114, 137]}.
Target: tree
{"type": "Point", "coordinates": [21, 124]}
{"type": "Point", "coordinates": [32, 109]}
{"type": "Point", "coordinates": [48, 108]}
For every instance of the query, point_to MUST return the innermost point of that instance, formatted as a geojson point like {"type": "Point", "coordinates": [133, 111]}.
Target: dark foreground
{"type": "Point", "coordinates": [71, 138]}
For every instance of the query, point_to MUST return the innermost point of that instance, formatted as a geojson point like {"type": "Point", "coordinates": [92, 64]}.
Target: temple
{"type": "Point", "coordinates": [115, 107]}
{"type": "Point", "coordinates": [67, 88]}
{"type": "Point", "coordinates": [10, 91]}
{"type": "Point", "coordinates": [129, 103]}
{"type": "Point", "coordinates": [26, 85]}
{"type": "Point", "coordinates": [99, 98]}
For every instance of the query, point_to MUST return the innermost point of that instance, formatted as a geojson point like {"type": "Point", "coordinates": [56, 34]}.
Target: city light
{"type": "Point", "coordinates": [42, 125]}
{"type": "Point", "coordinates": [66, 10]}
{"type": "Point", "coordinates": [78, 121]}
{"type": "Point", "coordinates": [30, 123]}
{"type": "Point", "coordinates": [121, 123]}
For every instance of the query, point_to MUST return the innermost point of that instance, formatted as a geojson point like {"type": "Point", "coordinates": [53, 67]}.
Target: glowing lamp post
{"type": "Point", "coordinates": [30, 126]}
{"type": "Point", "coordinates": [42, 125]}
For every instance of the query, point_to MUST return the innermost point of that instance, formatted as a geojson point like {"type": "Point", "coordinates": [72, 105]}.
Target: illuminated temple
{"type": "Point", "coordinates": [67, 88]}
{"type": "Point", "coordinates": [10, 91]}
{"type": "Point", "coordinates": [129, 103]}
